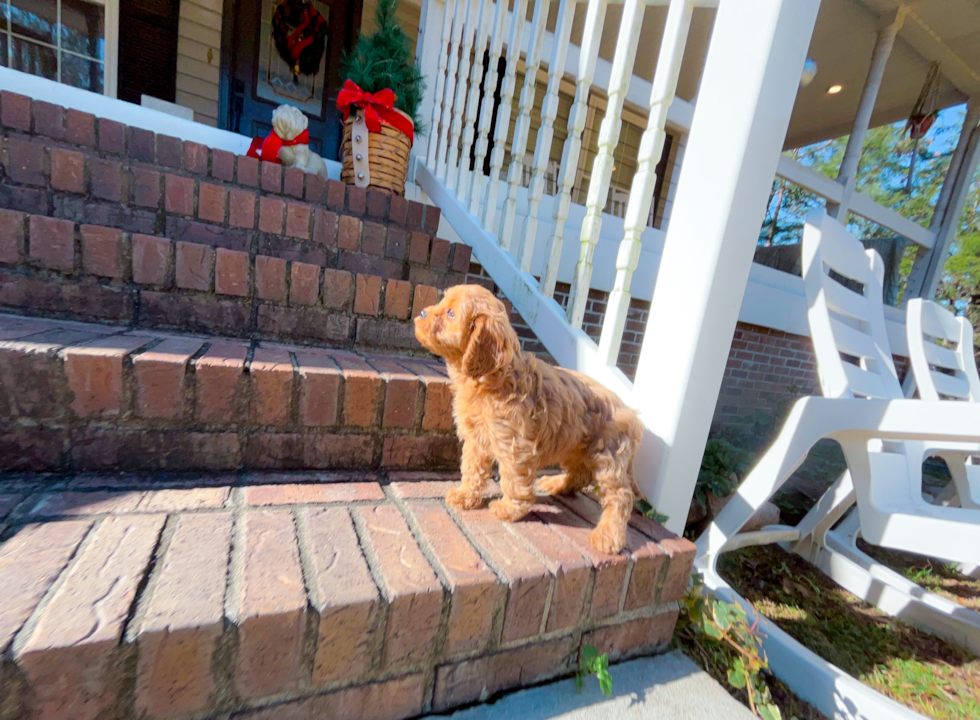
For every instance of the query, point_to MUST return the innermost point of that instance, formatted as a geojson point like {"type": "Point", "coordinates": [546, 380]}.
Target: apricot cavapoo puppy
{"type": "Point", "coordinates": [527, 415]}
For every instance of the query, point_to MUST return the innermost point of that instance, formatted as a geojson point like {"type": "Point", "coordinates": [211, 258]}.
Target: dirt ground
{"type": "Point", "coordinates": [929, 675]}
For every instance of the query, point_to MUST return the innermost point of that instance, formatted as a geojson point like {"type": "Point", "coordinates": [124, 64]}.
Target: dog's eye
{"type": "Point", "coordinates": [451, 314]}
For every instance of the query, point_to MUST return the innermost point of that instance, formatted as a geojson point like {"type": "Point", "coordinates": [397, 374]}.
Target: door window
{"type": "Point", "coordinates": [69, 41]}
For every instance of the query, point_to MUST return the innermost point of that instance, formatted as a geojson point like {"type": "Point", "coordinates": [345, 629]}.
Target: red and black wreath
{"type": "Point", "coordinates": [300, 35]}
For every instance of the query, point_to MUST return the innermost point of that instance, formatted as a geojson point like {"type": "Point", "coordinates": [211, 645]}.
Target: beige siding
{"type": "Point", "coordinates": [199, 31]}
{"type": "Point", "coordinates": [408, 15]}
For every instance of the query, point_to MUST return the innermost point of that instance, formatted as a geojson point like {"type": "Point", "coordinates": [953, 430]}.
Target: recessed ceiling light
{"type": "Point", "coordinates": [834, 89]}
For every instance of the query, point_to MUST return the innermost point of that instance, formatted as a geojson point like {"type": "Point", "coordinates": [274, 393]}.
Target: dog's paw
{"type": "Point", "coordinates": [608, 543]}
{"type": "Point", "coordinates": [463, 499]}
{"type": "Point", "coordinates": [555, 484]}
{"type": "Point", "coordinates": [507, 510]}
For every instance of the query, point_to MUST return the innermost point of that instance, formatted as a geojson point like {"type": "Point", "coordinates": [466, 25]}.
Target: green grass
{"type": "Point", "coordinates": [929, 675]}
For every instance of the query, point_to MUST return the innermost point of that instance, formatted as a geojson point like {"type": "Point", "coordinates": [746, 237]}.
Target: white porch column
{"type": "Point", "coordinates": [740, 119]}
{"type": "Point", "coordinates": [928, 268]}
{"type": "Point", "coordinates": [847, 176]}
{"type": "Point", "coordinates": [924, 277]}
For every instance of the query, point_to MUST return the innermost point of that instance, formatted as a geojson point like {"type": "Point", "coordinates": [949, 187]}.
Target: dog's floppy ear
{"type": "Point", "coordinates": [488, 349]}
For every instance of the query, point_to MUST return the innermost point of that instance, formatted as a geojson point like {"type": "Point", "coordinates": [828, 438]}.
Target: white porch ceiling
{"type": "Point", "coordinates": [844, 36]}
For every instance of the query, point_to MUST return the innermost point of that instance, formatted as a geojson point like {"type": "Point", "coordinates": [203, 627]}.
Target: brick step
{"type": "Point", "coordinates": [84, 396]}
{"type": "Point", "coordinates": [87, 272]}
{"type": "Point", "coordinates": [272, 601]}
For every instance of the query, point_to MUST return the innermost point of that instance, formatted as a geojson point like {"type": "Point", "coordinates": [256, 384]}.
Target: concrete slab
{"type": "Point", "coordinates": [667, 687]}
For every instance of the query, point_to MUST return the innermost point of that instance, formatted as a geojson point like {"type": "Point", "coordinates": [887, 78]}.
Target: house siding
{"type": "Point", "coordinates": [199, 31]}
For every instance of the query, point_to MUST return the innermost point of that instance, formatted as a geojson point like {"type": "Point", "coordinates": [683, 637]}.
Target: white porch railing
{"type": "Point", "coordinates": [484, 209]}
{"type": "Point", "coordinates": [833, 192]}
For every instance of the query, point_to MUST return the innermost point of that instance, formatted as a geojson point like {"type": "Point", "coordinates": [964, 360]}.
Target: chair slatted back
{"type": "Point", "coordinates": [941, 353]}
{"type": "Point", "coordinates": [843, 284]}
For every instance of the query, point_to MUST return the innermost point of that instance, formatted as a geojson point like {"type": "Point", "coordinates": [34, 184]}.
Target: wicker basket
{"type": "Point", "coordinates": [387, 153]}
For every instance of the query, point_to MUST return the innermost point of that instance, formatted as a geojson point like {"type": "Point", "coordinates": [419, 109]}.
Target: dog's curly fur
{"type": "Point", "coordinates": [527, 415]}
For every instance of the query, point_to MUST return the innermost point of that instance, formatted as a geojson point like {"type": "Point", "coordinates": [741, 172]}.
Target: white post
{"type": "Point", "coordinates": [432, 56]}
{"type": "Point", "coordinates": [602, 166]}
{"type": "Point", "coordinates": [456, 38]}
{"type": "Point", "coordinates": [645, 180]}
{"type": "Point", "coordinates": [930, 268]}
{"type": "Point", "coordinates": [595, 16]}
{"type": "Point", "coordinates": [847, 176]}
{"type": "Point", "coordinates": [740, 120]}
{"type": "Point", "coordinates": [926, 270]}
{"type": "Point", "coordinates": [542, 148]}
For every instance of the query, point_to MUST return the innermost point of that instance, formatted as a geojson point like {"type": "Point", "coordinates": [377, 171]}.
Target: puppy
{"type": "Point", "coordinates": [527, 415]}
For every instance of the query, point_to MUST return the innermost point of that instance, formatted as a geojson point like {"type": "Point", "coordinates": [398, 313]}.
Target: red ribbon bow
{"type": "Point", "coordinates": [271, 144]}
{"type": "Point", "coordinates": [377, 108]}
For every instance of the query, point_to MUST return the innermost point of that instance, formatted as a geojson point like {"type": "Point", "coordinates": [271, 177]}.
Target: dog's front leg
{"type": "Point", "coordinates": [476, 468]}
{"type": "Point", "coordinates": [517, 485]}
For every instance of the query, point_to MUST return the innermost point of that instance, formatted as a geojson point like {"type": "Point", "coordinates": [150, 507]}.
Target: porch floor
{"type": "Point", "coordinates": [305, 595]}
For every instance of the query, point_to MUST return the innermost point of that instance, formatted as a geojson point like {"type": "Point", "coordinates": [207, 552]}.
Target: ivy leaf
{"type": "Point", "coordinates": [724, 615]}
{"type": "Point", "coordinates": [710, 629]}
{"type": "Point", "coordinates": [769, 712]}
{"type": "Point", "coordinates": [589, 655]}
{"type": "Point", "coordinates": [605, 683]}
{"type": "Point", "coordinates": [736, 677]}
{"type": "Point", "coordinates": [579, 681]}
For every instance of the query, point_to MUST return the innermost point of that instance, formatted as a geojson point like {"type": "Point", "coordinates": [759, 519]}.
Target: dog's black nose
{"type": "Point", "coordinates": [423, 314]}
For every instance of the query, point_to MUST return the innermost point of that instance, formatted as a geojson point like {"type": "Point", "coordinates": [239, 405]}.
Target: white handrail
{"type": "Point", "coordinates": [832, 191]}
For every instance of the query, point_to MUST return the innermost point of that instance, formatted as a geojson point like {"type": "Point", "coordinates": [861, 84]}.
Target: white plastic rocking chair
{"type": "Point", "coordinates": [941, 354]}
{"type": "Point", "coordinates": [884, 438]}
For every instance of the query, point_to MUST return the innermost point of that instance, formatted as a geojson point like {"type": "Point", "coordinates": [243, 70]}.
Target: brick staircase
{"type": "Point", "coordinates": [223, 454]}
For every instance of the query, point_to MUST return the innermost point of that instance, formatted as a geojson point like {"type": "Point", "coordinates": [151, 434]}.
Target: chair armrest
{"type": "Point", "coordinates": [850, 420]}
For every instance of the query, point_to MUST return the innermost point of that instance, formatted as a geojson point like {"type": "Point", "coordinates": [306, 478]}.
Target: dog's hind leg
{"type": "Point", "coordinates": [574, 477]}
{"type": "Point", "coordinates": [476, 468]}
{"type": "Point", "coordinates": [616, 498]}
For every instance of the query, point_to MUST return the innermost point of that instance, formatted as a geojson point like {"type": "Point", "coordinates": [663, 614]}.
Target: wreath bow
{"type": "Point", "coordinates": [270, 145]}
{"type": "Point", "coordinates": [377, 108]}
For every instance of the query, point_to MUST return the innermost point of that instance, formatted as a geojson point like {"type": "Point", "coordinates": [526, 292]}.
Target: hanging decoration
{"type": "Point", "coordinates": [300, 34]}
{"type": "Point", "coordinates": [922, 117]}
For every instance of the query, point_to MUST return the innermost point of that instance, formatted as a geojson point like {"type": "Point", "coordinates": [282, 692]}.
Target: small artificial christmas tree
{"type": "Point", "coordinates": [382, 61]}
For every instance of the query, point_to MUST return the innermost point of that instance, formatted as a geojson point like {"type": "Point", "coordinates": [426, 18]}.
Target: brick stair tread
{"type": "Point", "coordinates": [86, 396]}
{"type": "Point", "coordinates": [302, 595]}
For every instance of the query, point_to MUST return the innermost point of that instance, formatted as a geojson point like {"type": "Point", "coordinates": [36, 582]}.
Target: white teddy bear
{"type": "Point", "coordinates": [289, 122]}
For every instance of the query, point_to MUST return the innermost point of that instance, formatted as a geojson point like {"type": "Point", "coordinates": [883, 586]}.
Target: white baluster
{"type": "Point", "coordinates": [542, 148]}
{"type": "Point", "coordinates": [489, 85]}
{"type": "Point", "coordinates": [594, 18]}
{"type": "Point", "coordinates": [433, 146]}
{"type": "Point", "coordinates": [476, 74]}
{"type": "Point", "coordinates": [514, 42]}
{"type": "Point", "coordinates": [515, 172]}
{"type": "Point", "coordinates": [452, 164]}
{"type": "Point", "coordinates": [622, 71]}
{"type": "Point", "coordinates": [644, 181]}
{"type": "Point", "coordinates": [451, 78]}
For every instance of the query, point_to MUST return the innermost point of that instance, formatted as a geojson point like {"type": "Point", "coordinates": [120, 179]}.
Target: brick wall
{"type": "Point", "coordinates": [99, 194]}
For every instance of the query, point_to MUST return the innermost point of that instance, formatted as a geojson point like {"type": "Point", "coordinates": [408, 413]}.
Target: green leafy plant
{"type": "Point", "coordinates": [722, 460]}
{"type": "Point", "coordinates": [592, 663]}
{"type": "Point", "coordinates": [645, 508]}
{"type": "Point", "coordinates": [728, 646]}
{"type": "Point", "coordinates": [383, 60]}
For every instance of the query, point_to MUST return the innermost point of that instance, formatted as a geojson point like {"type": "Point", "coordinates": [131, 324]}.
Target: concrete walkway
{"type": "Point", "coordinates": [667, 687]}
